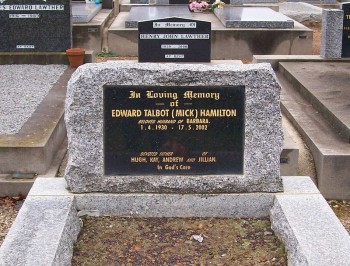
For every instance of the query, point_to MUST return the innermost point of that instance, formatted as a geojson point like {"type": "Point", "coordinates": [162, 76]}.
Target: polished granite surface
{"type": "Point", "coordinates": [142, 13]}
{"type": "Point", "coordinates": [252, 17]}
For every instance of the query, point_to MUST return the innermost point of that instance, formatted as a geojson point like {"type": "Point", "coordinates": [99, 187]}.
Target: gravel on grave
{"type": "Point", "coordinates": [9, 208]}
{"type": "Point", "coordinates": [22, 88]}
{"type": "Point", "coordinates": [177, 241]}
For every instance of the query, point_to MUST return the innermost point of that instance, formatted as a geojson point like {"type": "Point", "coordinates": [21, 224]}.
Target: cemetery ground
{"type": "Point", "coordinates": [249, 242]}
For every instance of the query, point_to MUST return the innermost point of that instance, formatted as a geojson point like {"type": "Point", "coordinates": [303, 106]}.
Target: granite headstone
{"type": "Point", "coordinates": [174, 40]}
{"type": "Point", "coordinates": [346, 30]}
{"type": "Point", "coordinates": [142, 13]}
{"type": "Point", "coordinates": [35, 25]}
{"type": "Point", "coordinates": [120, 114]}
{"type": "Point", "coordinates": [332, 31]}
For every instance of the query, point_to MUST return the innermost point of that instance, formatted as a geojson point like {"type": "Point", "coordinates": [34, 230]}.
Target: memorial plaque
{"type": "Point", "coordinates": [161, 130]}
{"type": "Point", "coordinates": [174, 40]}
{"type": "Point", "coordinates": [35, 25]}
{"type": "Point", "coordinates": [346, 31]}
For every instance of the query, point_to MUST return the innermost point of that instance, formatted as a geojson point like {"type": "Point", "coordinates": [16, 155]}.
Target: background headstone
{"type": "Point", "coordinates": [346, 30]}
{"type": "Point", "coordinates": [174, 40]}
{"type": "Point", "coordinates": [142, 13]}
{"type": "Point", "coordinates": [332, 32]}
{"type": "Point", "coordinates": [35, 25]}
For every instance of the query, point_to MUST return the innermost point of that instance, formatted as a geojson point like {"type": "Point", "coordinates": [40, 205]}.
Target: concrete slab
{"type": "Point", "coordinates": [301, 12]}
{"type": "Point", "coordinates": [289, 155]}
{"type": "Point", "coordinates": [177, 205]}
{"type": "Point", "coordinates": [318, 2]}
{"type": "Point", "coordinates": [43, 233]}
{"type": "Point", "coordinates": [227, 43]}
{"type": "Point", "coordinates": [252, 17]}
{"type": "Point", "coordinates": [89, 35]}
{"type": "Point", "coordinates": [275, 59]}
{"type": "Point", "coordinates": [126, 5]}
{"type": "Point", "coordinates": [241, 2]}
{"type": "Point", "coordinates": [33, 148]}
{"type": "Point", "coordinates": [40, 58]}
{"type": "Point", "coordinates": [331, 153]}
{"type": "Point", "coordinates": [326, 86]}
{"type": "Point", "coordinates": [10, 186]}
{"type": "Point", "coordinates": [142, 13]}
{"type": "Point", "coordinates": [313, 235]}
{"type": "Point", "coordinates": [83, 13]}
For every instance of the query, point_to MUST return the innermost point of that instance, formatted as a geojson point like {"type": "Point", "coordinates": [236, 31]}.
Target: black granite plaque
{"type": "Point", "coordinates": [174, 40]}
{"type": "Point", "coordinates": [35, 25]}
{"type": "Point", "coordinates": [173, 130]}
{"type": "Point", "coordinates": [346, 31]}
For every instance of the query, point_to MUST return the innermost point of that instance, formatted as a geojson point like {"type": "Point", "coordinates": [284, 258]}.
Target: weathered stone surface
{"type": "Point", "coordinates": [84, 120]}
{"type": "Point", "coordinates": [301, 12]}
{"type": "Point", "coordinates": [252, 205]}
{"type": "Point", "coordinates": [43, 233]}
{"type": "Point", "coordinates": [83, 13]}
{"type": "Point", "coordinates": [312, 233]}
{"type": "Point", "coordinates": [252, 17]}
{"type": "Point", "coordinates": [241, 2]}
{"type": "Point", "coordinates": [332, 33]}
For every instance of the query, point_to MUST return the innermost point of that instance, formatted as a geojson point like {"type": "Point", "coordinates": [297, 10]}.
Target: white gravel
{"type": "Point", "coordinates": [22, 88]}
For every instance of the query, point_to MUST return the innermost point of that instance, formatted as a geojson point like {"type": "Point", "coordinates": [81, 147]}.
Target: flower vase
{"type": "Point", "coordinates": [75, 56]}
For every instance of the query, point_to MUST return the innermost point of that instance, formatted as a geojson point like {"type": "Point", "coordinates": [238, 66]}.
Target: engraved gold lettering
{"type": "Point", "coordinates": [156, 112]}
{"type": "Point", "coordinates": [207, 159]}
{"type": "Point", "coordinates": [197, 121]}
{"type": "Point", "coordinates": [134, 94]}
{"type": "Point", "coordinates": [126, 113]}
{"type": "Point", "coordinates": [218, 112]}
{"type": "Point", "coordinates": [161, 95]}
{"type": "Point", "coordinates": [145, 121]}
{"type": "Point", "coordinates": [172, 159]}
{"type": "Point", "coordinates": [185, 167]}
{"type": "Point", "coordinates": [138, 159]}
{"type": "Point", "coordinates": [185, 112]}
{"type": "Point", "coordinates": [201, 95]}
{"type": "Point", "coordinates": [166, 122]}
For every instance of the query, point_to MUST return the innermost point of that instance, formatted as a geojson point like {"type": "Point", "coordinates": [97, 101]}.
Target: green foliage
{"type": "Point", "coordinates": [105, 53]}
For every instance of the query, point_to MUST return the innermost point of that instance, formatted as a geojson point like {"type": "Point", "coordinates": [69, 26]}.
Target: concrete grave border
{"type": "Point", "coordinates": [47, 225]}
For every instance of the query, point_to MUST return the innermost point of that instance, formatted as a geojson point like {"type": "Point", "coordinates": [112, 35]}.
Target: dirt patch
{"type": "Point", "coordinates": [177, 241]}
{"type": "Point", "coordinates": [8, 211]}
{"type": "Point", "coordinates": [316, 42]}
{"type": "Point", "coordinates": [100, 59]}
{"type": "Point", "coordinates": [342, 210]}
